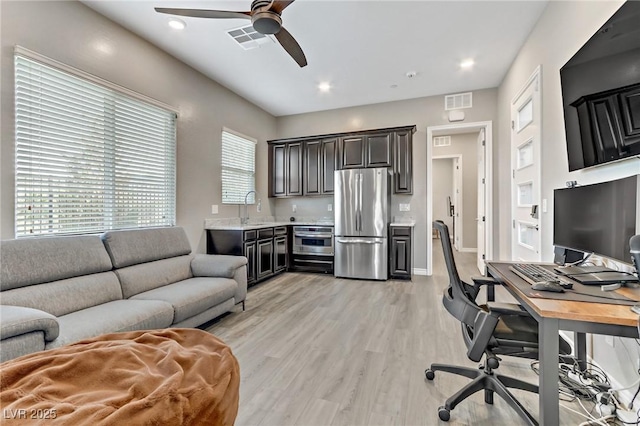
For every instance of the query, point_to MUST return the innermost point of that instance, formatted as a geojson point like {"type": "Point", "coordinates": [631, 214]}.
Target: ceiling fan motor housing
{"type": "Point", "coordinates": [266, 22]}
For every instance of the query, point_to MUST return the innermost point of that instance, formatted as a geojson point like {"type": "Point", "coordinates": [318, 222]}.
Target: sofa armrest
{"type": "Point", "coordinates": [216, 265]}
{"type": "Point", "coordinates": [17, 320]}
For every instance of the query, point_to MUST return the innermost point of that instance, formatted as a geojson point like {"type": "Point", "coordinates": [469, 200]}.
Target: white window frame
{"type": "Point", "coordinates": [117, 172]}
{"type": "Point", "coordinates": [239, 179]}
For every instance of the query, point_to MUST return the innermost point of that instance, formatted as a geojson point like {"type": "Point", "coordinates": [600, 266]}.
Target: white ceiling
{"type": "Point", "coordinates": [362, 47]}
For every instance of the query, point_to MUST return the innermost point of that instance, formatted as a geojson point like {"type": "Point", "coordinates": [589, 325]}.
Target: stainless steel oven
{"type": "Point", "coordinates": [316, 240]}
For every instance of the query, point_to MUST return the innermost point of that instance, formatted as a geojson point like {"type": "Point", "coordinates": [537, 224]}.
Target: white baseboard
{"type": "Point", "coordinates": [419, 271]}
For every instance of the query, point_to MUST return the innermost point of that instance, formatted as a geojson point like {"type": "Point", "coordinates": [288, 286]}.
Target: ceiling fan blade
{"type": "Point", "coordinates": [204, 13]}
{"type": "Point", "coordinates": [291, 46]}
{"type": "Point", "coordinates": [279, 6]}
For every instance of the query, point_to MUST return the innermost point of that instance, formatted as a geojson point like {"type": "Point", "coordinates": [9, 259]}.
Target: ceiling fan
{"type": "Point", "coordinates": [265, 17]}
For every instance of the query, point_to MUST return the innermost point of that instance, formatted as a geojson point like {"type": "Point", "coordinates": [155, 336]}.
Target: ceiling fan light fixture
{"type": "Point", "coordinates": [177, 24]}
{"type": "Point", "coordinates": [266, 22]}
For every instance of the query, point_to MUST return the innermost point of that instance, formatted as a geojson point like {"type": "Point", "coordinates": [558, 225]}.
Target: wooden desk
{"type": "Point", "coordinates": [554, 315]}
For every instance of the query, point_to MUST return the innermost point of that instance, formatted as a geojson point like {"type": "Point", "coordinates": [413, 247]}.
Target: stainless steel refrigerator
{"type": "Point", "coordinates": [362, 209]}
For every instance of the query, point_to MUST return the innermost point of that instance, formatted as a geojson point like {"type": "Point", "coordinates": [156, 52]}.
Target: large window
{"type": "Point", "coordinates": [89, 158]}
{"type": "Point", "coordinates": [238, 168]}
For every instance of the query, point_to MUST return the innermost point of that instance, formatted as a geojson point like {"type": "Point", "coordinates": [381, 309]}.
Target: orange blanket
{"type": "Point", "coordinates": [159, 377]}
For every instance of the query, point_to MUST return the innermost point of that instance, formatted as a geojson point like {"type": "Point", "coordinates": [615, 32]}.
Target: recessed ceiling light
{"type": "Point", "coordinates": [324, 86]}
{"type": "Point", "coordinates": [177, 24]}
{"type": "Point", "coordinates": [467, 63]}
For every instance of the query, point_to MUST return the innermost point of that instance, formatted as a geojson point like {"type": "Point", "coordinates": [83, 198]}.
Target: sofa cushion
{"type": "Point", "coordinates": [147, 276]}
{"type": "Point", "coordinates": [112, 317]}
{"type": "Point", "coordinates": [39, 260]}
{"type": "Point", "coordinates": [64, 296]}
{"type": "Point", "coordinates": [193, 296]}
{"type": "Point", "coordinates": [131, 247]}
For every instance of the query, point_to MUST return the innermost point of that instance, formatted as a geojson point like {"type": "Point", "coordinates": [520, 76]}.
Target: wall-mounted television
{"type": "Point", "coordinates": [598, 218]}
{"type": "Point", "coordinates": [601, 93]}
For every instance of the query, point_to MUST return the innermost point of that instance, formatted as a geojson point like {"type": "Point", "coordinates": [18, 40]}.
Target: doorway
{"type": "Point", "coordinates": [482, 228]}
{"type": "Point", "coordinates": [447, 195]}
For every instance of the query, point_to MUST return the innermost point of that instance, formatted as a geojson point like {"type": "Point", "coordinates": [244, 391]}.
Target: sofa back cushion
{"type": "Point", "coordinates": [30, 261]}
{"type": "Point", "coordinates": [131, 247]}
{"type": "Point", "coordinates": [147, 276]}
{"type": "Point", "coordinates": [65, 296]}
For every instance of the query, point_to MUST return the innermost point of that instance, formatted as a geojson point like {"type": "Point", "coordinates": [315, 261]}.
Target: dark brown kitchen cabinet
{"type": "Point", "coordinates": [250, 254]}
{"type": "Point", "coordinates": [285, 170]}
{"type": "Point", "coordinates": [400, 256]}
{"type": "Point", "coordinates": [265, 248]}
{"type": "Point", "coordinates": [312, 168]}
{"type": "Point", "coordinates": [352, 152]}
{"type": "Point", "coordinates": [378, 150]}
{"type": "Point", "coordinates": [319, 165]}
{"type": "Point", "coordinates": [264, 252]}
{"type": "Point", "coordinates": [305, 165]}
{"type": "Point", "coordinates": [328, 165]}
{"type": "Point", "coordinates": [402, 162]}
{"type": "Point", "coordinates": [280, 253]}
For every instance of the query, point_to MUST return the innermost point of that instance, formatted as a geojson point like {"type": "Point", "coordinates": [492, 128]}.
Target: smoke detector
{"type": "Point", "coordinates": [411, 74]}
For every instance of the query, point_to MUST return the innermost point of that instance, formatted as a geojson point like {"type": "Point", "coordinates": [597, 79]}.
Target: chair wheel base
{"type": "Point", "coordinates": [444, 414]}
{"type": "Point", "coordinates": [429, 374]}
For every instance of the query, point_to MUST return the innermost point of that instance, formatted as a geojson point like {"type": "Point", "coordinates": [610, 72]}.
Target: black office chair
{"type": "Point", "coordinates": [491, 330]}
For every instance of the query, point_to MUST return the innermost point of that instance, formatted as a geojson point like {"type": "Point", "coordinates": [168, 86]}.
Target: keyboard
{"type": "Point", "coordinates": [533, 273]}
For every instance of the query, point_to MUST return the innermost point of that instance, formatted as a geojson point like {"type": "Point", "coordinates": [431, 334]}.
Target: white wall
{"type": "Point", "coordinates": [423, 112]}
{"type": "Point", "coordinates": [74, 34]}
{"type": "Point", "coordinates": [563, 28]}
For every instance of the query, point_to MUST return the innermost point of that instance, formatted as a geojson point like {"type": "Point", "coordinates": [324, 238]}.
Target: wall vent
{"type": "Point", "coordinates": [248, 38]}
{"type": "Point", "coordinates": [441, 141]}
{"type": "Point", "coordinates": [458, 101]}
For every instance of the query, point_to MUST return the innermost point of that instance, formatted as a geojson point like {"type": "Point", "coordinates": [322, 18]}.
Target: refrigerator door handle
{"type": "Point", "coordinates": [360, 201]}
{"type": "Point", "coordinates": [357, 200]}
{"type": "Point", "coordinates": [358, 242]}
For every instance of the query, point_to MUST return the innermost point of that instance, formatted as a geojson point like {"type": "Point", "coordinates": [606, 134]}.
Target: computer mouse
{"type": "Point", "coordinates": [548, 286]}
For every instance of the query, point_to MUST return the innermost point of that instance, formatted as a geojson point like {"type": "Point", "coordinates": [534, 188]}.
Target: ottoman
{"type": "Point", "coordinates": [158, 377]}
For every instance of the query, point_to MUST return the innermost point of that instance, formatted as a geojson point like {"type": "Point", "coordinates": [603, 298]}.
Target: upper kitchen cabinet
{"type": "Point", "coordinates": [305, 165]}
{"type": "Point", "coordinates": [403, 162]}
{"type": "Point", "coordinates": [361, 151]}
{"type": "Point", "coordinates": [319, 165]}
{"type": "Point", "coordinates": [285, 169]}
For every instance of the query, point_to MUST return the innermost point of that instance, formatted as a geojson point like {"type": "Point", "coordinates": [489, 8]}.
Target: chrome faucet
{"type": "Point", "coordinates": [245, 219]}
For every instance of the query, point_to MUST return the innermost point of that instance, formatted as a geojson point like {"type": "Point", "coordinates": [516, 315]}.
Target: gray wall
{"type": "Point", "coordinates": [563, 28]}
{"type": "Point", "coordinates": [442, 189]}
{"type": "Point", "coordinates": [466, 145]}
{"type": "Point", "coordinates": [423, 112]}
{"type": "Point", "coordinates": [74, 34]}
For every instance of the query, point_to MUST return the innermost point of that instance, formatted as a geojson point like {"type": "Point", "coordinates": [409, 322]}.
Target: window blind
{"type": "Point", "coordinates": [88, 158]}
{"type": "Point", "coordinates": [238, 168]}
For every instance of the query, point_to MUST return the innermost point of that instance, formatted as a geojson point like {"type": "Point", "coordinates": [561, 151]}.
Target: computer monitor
{"type": "Point", "coordinates": [598, 218]}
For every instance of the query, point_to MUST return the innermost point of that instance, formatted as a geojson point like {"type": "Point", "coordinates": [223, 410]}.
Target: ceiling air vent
{"type": "Point", "coordinates": [442, 141]}
{"type": "Point", "coordinates": [458, 101]}
{"type": "Point", "coordinates": [248, 38]}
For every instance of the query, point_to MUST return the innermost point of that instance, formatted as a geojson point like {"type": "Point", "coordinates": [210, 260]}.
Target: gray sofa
{"type": "Point", "coordinates": [58, 290]}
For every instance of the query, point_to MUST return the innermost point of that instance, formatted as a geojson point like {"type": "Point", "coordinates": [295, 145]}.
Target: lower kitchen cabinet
{"type": "Point", "coordinates": [265, 249]}
{"type": "Point", "coordinates": [400, 257]}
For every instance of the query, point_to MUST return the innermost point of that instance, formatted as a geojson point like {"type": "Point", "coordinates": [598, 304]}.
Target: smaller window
{"type": "Point", "coordinates": [238, 167]}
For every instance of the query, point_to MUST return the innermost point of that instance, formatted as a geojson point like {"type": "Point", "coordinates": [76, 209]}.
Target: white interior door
{"type": "Point", "coordinates": [525, 164]}
{"type": "Point", "coordinates": [482, 216]}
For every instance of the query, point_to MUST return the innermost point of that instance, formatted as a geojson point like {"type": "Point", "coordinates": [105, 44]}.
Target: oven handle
{"type": "Point", "coordinates": [298, 234]}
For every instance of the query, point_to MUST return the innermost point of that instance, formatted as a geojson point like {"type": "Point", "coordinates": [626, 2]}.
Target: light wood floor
{"type": "Point", "coordinates": [315, 350]}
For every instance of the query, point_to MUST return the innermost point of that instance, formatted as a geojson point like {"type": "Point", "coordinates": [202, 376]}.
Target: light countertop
{"type": "Point", "coordinates": [233, 226]}
{"type": "Point", "coordinates": [409, 223]}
